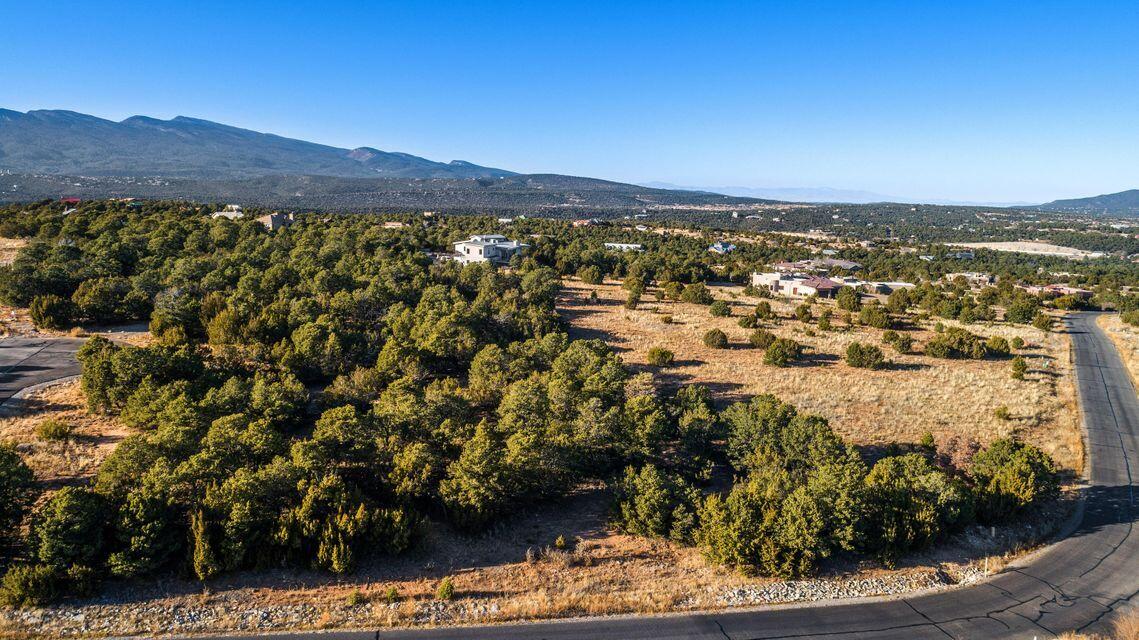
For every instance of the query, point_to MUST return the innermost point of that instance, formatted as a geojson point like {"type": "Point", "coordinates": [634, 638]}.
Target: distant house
{"type": "Point", "coordinates": [796, 285]}
{"type": "Point", "coordinates": [69, 200]}
{"type": "Point", "coordinates": [821, 265]}
{"type": "Point", "coordinates": [231, 212]}
{"type": "Point", "coordinates": [722, 247]}
{"type": "Point", "coordinates": [506, 221]}
{"type": "Point", "coordinates": [590, 222]}
{"type": "Point", "coordinates": [1056, 290]}
{"type": "Point", "coordinates": [394, 224]}
{"type": "Point", "coordinates": [487, 248]}
{"type": "Point", "coordinates": [972, 278]}
{"type": "Point", "coordinates": [624, 246]}
{"type": "Point", "coordinates": [962, 255]}
{"type": "Point", "coordinates": [274, 221]}
{"type": "Point", "coordinates": [927, 258]}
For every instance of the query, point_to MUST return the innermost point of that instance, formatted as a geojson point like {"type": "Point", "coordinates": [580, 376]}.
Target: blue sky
{"type": "Point", "coordinates": [984, 101]}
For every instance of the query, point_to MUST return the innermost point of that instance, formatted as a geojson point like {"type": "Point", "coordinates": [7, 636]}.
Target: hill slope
{"type": "Point", "coordinates": [1122, 203]}
{"type": "Point", "coordinates": [70, 143]}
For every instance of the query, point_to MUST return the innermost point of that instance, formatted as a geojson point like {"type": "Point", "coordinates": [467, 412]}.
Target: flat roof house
{"type": "Point", "coordinates": [796, 285]}
{"type": "Point", "coordinates": [624, 246]}
{"type": "Point", "coordinates": [722, 247]}
{"type": "Point", "coordinates": [487, 248]}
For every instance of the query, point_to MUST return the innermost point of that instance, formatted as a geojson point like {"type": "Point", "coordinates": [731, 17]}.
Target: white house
{"type": "Point", "coordinates": [274, 221]}
{"type": "Point", "coordinates": [796, 285]}
{"type": "Point", "coordinates": [231, 211]}
{"type": "Point", "coordinates": [722, 247]}
{"type": "Point", "coordinates": [487, 248]}
{"type": "Point", "coordinates": [624, 246]}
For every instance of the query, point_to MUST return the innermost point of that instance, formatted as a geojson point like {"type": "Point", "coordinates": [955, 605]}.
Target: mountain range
{"type": "Point", "coordinates": [1122, 203]}
{"type": "Point", "coordinates": [70, 143]}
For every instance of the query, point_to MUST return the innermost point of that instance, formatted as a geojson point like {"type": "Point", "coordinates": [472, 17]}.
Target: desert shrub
{"type": "Point", "coordinates": [889, 336]}
{"type": "Point", "coordinates": [590, 275]}
{"type": "Point", "coordinates": [1022, 310]}
{"type": "Point", "coordinates": [666, 319]}
{"type": "Point", "coordinates": [51, 312]}
{"type": "Point", "coordinates": [997, 346]}
{"type": "Point", "coordinates": [874, 315]}
{"type": "Point", "coordinates": [16, 489]}
{"type": "Point", "coordinates": [1017, 342]}
{"type": "Point", "coordinates": [956, 342]}
{"type": "Point", "coordinates": [26, 585]}
{"type": "Point", "coordinates": [803, 313]}
{"type": "Point", "coordinates": [1002, 413]}
{"type": "Point", "coordinates": [720, 309]}
{"type": "Point", "coordinates": [716, 339]}
{"type": "Point", "coordinates": [696, 293]}
{"type": "Point", "coordinates": [782, 352]}
{"type": "Point", "coordinates": [747, 322]}
{"type": "Point", "coordinates": [1042, 321]}
{"type": "Point", "coordinates": [912, 505]}
{"type": "Point", "coordinates": [633, 299]}
{"type": "Point", "coordinates": [761, 338]}
{"type": "Point", "coordinates": [660, 357]}
{"type": "Point", "coordinates": [825, 319]}
{"type": "Point", "coordinates": [1130, 317]}
{"type": "Point", "coordinates": [848, 299]}
{"type": "Point", "coordinates": [763, 310]}
{"type": "Point", "coordinates": [1011, 476]}
{"type": "Point", "coordinates": [864, 356]}
{"type": "Point", "coordinates": [650, 502]}
{"type": "Point", "coordinates": [68, 529]}
{"type": "Point", "coordinates": [53, 429]}
{"type": "Point", "coordinates": [355, 598]}
{"type": "Point", "coordinates": [446, 589]}
{"type": "Point", "coordinates": [1019, 367]}
{"type": "Point", "coordinates": [904, 343]}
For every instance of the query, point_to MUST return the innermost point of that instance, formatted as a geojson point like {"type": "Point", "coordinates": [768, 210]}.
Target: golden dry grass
{"type": "Point", "coordinates": [899, 404]}
{"type": "Point", "coordinates": [9, 247]}
{"type": "Point", "coordinates": [1126, 339]}
{"type": "Point", "coordinates": [77, 458]}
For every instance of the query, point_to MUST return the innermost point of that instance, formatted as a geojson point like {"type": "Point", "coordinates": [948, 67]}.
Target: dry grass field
{"type": "Point", "coordinates": [9, 247]}
{"type": "Point", "coordinates": [918, 394]}
{"type": "Point", "coordinates": [1126, 339]}
{"type": "Point", "coordinates": [1031, 247]}
{"type": "Point", "coordinates": [68, 461]}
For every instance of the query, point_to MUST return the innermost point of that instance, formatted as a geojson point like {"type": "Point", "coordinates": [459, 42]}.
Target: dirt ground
{"type": "Point", "coordinates": [871, 408]}
{"type": "Point", "coordinates": [57, 463]}
{"type": "Point", "coordinates": [1126, 339]}
{"type": "Point", "coordinates": [1028, 246]}
{"type": "Point", "coordinates": [9, 248]}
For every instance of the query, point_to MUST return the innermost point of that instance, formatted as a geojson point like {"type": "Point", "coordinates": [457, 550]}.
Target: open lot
{"type": "Point", "coordinates": [1036, 248]}
{"type": "Point", "coordinates": [1126, 339]}
{"type": "Point", "coordinates": [918, 394]}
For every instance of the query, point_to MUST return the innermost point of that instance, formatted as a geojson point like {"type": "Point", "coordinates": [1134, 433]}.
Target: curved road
{"type": "Point", "coordinates": [1076, 584]}
{"type": "Point", "coordinates": [25, 362]}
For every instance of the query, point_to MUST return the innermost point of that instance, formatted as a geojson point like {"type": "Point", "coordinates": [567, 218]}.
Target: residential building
{"type": "Point", "coordinates": [624, 246]}
{"type": "Point", "coordinates": [972, 278]}
{"type": "Point", "coordinates": [231, 212]}
{"type": "Point", "coordinates": [274, 221]}
{"type": "Point", "coordinates": [722, 247]}
{"type": "Point", "coordinates": [796, 285]}
{"type": "Point", "coordinates": [487, 248]}
{"type": "Point", "coordinates": [818, 265]}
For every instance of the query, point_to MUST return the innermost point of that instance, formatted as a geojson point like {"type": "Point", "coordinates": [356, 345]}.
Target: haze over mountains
{"type": "Point", "coordinates": [197, 158]}
{"type": "Point", "coordinates": [70, 143]}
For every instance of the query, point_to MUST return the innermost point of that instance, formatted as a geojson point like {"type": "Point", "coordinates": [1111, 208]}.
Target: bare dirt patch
{"type": "Point", "coordinates": [1032, 247]}
{"type": "Point", "coordinates": [1126, 339]}
{"type": "Point", "coordinates": [62, 462]}
{"type": "Point", "coordinates": [9, 248]}
{"type": "Point", "coordinates": [918, 394]}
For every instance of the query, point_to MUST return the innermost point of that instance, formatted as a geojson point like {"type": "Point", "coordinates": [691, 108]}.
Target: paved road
{"type": "Point", "coordinates": [29, 361]}
{"type": "Point", "coordinates": [1075, 584]}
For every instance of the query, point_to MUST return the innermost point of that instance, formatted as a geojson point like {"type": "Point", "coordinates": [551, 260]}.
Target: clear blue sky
{"type": "Point", "coordinates": [984, 101]}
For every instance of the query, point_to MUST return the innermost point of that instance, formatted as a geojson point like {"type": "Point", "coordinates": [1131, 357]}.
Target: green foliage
{"type": "Point", "coordinates": [660, 357]}
{"type": "Point", "coordinates": [782, 352]}
{"type": "Point", "coordinates": [68, 529]}
{"type": "Point", "coordinates": [26, 585]}
{"type": "Point", "coordinates": [716, 339]}
{"type": "Point", "coordinates": [51, 312]}
{"type": "Point", "coordinates": [590, 275]}
{"type": "Point", "coordinates": [904, 343]}
{"type": "Point", "coordinates": [747, 322]}
{"type": "Point", "coordinates": [1022, 310]}
{"type": "Point", "coordinates": [803, 313]}
{"type": "Point", "coordinates": [763, 310]}
{"type": "Point", "coordinates": [16, 489]}
{"type": "Point", "coordinates": [874, 315]}
{"type": "Point", "coordinates": [848, 299]}
{"type": "Point", "coordinates": [997, 346]}
{"type": "Point", "coordinates": [1002, 413]}
{"type": "Point", "coordinates": [1042, 321]}
{"type": "Point", "coordinates": [1019, 367]}
{"type": "Point", "coordinates": [864, 356]}
{"type": "Point", "coordinates": [652, 503]}
{"type": "Point", "coordinates": [1130, 317]}
{"type": "Point", "coordinates": [1011, 476]}
{"type": "Point", "coordinates": [446, 589]}
{"type": "Point", "coordinates": [720, 309]}
{"type": "Point", "coordinates": [696, 293]}
{"type": "Point", "coordinates": [52, 429]}
{"type": "Point", "coordinates": [1017, 342]}
{"type": "Point", "coordinates": [761, 338]}
{"type": "Point", "coordinates": [913, 504]}
{"type": "Point", "coordinates": [955, 342]}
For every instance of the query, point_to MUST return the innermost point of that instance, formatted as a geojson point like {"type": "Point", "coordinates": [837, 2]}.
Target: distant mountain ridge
{"type": "Point", "coordinates": [1122, 203]}
{"type": "Point", "coordinates": [788, 194]}
{"type": "Point", "coordinates": [70, 143]}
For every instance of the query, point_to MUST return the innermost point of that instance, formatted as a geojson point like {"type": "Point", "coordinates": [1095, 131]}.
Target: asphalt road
{"type": "Point", "coordinates": [1075, 584]}
{"type": "Point", "coordinates": [25, 362]}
